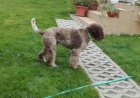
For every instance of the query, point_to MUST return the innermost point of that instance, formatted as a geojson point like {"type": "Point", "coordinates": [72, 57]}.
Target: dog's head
{"type": "Point", "coordinates": [96, 31]}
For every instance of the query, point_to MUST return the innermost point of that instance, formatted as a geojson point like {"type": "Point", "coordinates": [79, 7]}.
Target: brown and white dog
{"type": "Point", "coordinates": [75, 39]}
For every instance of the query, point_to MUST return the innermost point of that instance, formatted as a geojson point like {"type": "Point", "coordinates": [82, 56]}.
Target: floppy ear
{"type": "Point", "coordinates": [96, 31]}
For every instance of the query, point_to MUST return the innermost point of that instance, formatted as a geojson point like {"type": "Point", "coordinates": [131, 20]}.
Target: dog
{"type": "Point", "coordinates": [74, 39]}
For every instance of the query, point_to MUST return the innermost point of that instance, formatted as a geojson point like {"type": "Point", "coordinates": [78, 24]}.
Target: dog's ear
{"type": "Point", "coordinates": [96, 31]}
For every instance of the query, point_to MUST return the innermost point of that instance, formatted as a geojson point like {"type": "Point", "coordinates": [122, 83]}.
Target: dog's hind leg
{"type": "Point", "coordinates": [41, 56]}
{"type": "Point", "coordinates": [74, 58]}
{"type": "Point", "coordinates": [51, 53]}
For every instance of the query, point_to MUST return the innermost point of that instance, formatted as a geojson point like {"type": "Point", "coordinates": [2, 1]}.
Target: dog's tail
{"type": "Point", "coordinates": [35, 28]}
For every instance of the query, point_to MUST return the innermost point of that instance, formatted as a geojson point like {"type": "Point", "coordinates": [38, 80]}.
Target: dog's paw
{"type": "Point", "coordinates": [54, 65]}
{"type": "Point", "coordinates": [74, 67]}
{"type": "Point", "coordinates": [44, 59]}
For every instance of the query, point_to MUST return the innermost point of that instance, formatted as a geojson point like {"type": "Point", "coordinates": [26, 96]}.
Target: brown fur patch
{"type": "Point", "coordinates": [76, 40]}
{"type": "Point", "coordinates": [59, 36]}
{"type": "Point", "coordinates": [49, 60]}
{"type": "Point", "coordinates": [40, 55]}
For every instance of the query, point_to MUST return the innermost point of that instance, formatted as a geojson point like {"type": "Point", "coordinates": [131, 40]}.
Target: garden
{"type": "Point", "coordinates": [22, 75]}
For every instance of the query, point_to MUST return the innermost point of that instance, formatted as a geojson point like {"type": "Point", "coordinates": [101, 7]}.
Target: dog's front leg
{"type": "Point", "coordinates": [74, 58]}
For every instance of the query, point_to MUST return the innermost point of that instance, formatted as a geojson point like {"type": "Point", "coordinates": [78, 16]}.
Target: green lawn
{"type": "Point", "coordinates": [21, 74]}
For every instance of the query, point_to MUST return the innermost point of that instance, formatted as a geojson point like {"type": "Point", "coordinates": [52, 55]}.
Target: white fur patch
{"type": "Point", "coordinates": [33, 23]}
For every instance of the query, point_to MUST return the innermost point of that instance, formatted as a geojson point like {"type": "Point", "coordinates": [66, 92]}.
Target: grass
{"type": "Point", "coordinates": [21, 74]}
{"type": "Point", "coordinates": [125, 51]}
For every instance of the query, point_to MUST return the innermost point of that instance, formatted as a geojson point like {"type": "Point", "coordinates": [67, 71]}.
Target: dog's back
{"type": "Point", "coordinates": [70, 38]}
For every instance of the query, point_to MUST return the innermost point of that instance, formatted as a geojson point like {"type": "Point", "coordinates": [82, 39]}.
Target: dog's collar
{"type": "Point", "coordinates": [89, 36]}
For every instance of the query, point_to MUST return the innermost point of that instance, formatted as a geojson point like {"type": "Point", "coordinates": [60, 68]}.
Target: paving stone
{"type": "Point", "coordinates": [100, 67]}
{"type": "Point", "coordinates": [67, 23]}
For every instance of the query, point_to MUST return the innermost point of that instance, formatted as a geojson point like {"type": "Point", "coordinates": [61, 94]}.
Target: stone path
{"type": "Point", "coordinates": [100, 67]}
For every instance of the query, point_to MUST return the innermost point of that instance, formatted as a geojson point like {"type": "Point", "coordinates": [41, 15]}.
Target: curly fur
{"type": "Point", "coordinates": [75, 39]}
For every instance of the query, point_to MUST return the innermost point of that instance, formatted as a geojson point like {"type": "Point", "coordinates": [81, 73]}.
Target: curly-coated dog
{"type": "Point", "coordinates": [75, 39]}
